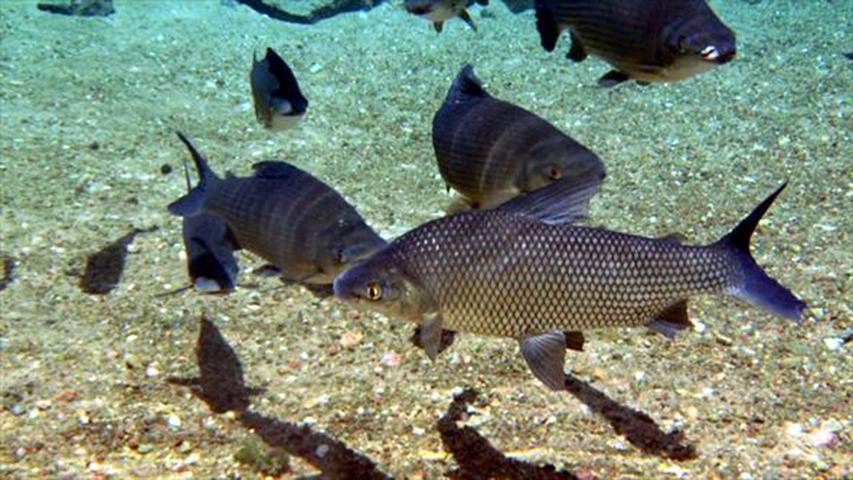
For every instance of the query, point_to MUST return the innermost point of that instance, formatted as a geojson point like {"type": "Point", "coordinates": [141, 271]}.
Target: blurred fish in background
{"type": "Point", "coordinates": [491, 151]}
{"type": "Point", "coordinates": [300, 225]}
{"type": "Point", "coordinates": [440, 11]}
{"type": "Point", "coordinates": [279, 104]}
{"type": "Point", "coordinates": [644, 40]}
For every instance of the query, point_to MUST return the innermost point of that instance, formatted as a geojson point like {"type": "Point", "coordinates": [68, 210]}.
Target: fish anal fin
{"type": "Point", "coordinates": [466, 17]}
{"type": "Point", "coordinates": [574, 341]}
{"type": "Point", "coordinates": [613, 78]}
{"type": "Point", "coordinates": [577, 53]}
{"type": "Point", "coordinates": [545, 355]}
{"type": "Point", "coordinates": [672, 320]}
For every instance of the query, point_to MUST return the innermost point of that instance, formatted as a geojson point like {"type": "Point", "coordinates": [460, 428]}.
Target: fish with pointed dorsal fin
{"type": "Point", "coordinates": [440, 11]}
{"type": "Point", "coordinates": [524, 270]}
{"type": "Point", "coordinates": [279, 103]}
{"type": "Point", "coordinates": [300, 225]}
{"type": "Point", "coordinates": [491, 151]}
{"type": "Point", "coordinates": [644, 40]}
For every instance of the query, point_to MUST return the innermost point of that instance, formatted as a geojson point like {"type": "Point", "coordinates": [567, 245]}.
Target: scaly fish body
{"type": "Point", "coordinates": [490, 150]}
{"type": "Point", "coordinates": [513, 272]}
{"type": "Point", "coordinates": [299, 224]}
{"type": "Point", "coordinates": [644, 40]}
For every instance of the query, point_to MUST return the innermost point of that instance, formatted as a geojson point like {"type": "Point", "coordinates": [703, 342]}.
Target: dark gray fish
{"type": "Point", "coordinates": [105, 267]}
{"type": "Point", "coordinates": [490, 151]}
{"type": "Point", "coordinates": [644, 40]}
{"type": "Point", "coordinates": [279, 103]}
{"type": "Point", "coordinates": [299, 224]}
{"type": "Point", "coordinates": [8, 272]}
{"type": "Point", "coordinates": [517, 272]}
{"type": "Point", "coordinates": [80, 8]}
{"type": "Point", "coordinates": [440, 11]}
{"type": "Point", "coordinates": [210, 248]}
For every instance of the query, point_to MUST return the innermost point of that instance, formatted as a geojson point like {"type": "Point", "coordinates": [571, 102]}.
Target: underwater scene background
{"type": "Point", "coordinates": [271, 380]}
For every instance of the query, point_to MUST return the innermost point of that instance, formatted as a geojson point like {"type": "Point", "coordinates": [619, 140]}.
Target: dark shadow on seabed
{"type": "Point", "coordinates": [222, 387]}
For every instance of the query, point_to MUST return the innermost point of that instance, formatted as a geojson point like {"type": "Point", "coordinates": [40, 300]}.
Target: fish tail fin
{"type": "Point", "coordinates": [466, 85]}
{"type": "Point", "coordinates": [755, 286]}
{"type": "Point", "coordinates": [546, 24]}
{"type": "Point", "coordinates": [195, 201]}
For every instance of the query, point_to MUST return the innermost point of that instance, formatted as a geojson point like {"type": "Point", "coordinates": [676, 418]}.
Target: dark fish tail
{"type": "Point", "coordinates": [755, 286]}
{"type": "Point", "coordinates": [195, 201]}
{"type": "Point", "coordinates": [465, 86]}
{"type": "Point", "coordinates": [546, 24]}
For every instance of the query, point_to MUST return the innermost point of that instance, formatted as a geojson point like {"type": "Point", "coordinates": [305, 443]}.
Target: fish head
{"type": "Point", "coordinates": [379, 284]}
{"type": "Point", "coordinates": [703, 39]}
{"type": "Point", "coordinates": [555, 160]}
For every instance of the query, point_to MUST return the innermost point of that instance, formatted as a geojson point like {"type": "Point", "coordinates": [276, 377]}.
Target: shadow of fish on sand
{"type": "Point", "coordinates": [222, 387]}
{"type": "Point", "coordinates": [105, 267]}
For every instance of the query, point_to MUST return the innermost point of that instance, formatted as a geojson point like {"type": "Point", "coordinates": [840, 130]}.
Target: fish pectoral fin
{"type": "Point", "coordinates": [431, 334]}
{"type": "Point", "coordinates": [447, 339]}
{"type": "Point", "coordinates": [613, 78]}
{"type": "Point", "coordinates": [672, 320]}
{"type": "Point", "coordinates": [545, 355]}
{"type": "Point", "coordinates": [438, 26]}
{"type": "Point", "coordinates": [574, 341]}
{"type": "Point", "coordinates": [466, 17]}
{"type": "Point", "coordinates": [577, 53]}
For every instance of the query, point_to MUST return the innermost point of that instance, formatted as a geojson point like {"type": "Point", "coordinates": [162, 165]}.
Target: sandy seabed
{"type": "Point", "coordinates": [124, 385]}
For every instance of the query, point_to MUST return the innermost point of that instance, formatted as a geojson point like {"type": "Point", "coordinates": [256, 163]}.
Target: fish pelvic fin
{"type": "Point", "coordinates": [755, 286]}
{"type": "Point", "coordinates": [547, 25]}
{"type": "Point", "coordinates": [195, 201]}
{"type": "Point", "coordinates": [672, 320]}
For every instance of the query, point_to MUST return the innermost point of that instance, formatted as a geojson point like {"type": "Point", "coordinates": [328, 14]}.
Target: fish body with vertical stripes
{"type": "Point", "coordinates": [644, 40]}
{"type": "Point", "coordinates": [520, 272]}
{"type": "Point", "coordinates": [283, 214]}
{"type": "Point", "coordinates": [490, 150]}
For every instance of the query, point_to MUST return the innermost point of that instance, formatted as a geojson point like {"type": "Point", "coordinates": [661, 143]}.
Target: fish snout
{"type": "Point", "coordinates": [719, 54]}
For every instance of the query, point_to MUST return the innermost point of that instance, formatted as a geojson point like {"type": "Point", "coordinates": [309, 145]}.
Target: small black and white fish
{"type": "Point", "coordinates": [524, 271]}
{"type": "Point", "coordinates": [490, 150]}
{"type": "Point", "coordinates": [279, 103]}
{"type": "Point", "coordinates": [644, 40]}
{"type": "Point", "coordinates": [440, 11]}
{"type": "Point", "coordinates": [303, 227]}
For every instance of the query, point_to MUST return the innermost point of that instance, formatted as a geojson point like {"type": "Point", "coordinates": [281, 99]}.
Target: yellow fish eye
{"type": "Point", "coordinates": [374, 291]}
{"type": "Point", "coordinates": [555, 173]}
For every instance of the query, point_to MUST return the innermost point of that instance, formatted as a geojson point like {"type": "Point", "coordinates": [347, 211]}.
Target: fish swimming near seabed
{"type": "Point", "coordinates": [644, 40]}
{"type": "Point", "coordinates": [519, 271]}
{"type": "Point", "coordinates": [303, 227]}
{"type": "Point", "coordinates": [490, 150]}
{"type": "Point", "coordinates": [440, 11]}
{"type": "Point", "coordinates": [279, 103]}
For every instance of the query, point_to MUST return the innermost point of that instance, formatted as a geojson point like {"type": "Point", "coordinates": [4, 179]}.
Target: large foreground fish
{"type": "Point", "coordinates": [299, 224]}
{"type": "Point", "coordinates": [518, 271]}
{"type": "Point", "coordinates": [279, 104]}
{"type": "Point", "coordinates": [644, 40]}
{"type": "Point", "coordinates": [490, 150]}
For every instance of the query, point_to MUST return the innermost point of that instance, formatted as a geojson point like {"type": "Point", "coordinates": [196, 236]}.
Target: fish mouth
{"type": "Point", "coordinates": [712, 54]}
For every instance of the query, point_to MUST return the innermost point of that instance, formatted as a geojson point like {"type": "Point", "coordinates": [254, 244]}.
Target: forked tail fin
{"type": "Point", "coordinates": [194, 202]}
{"type": "Point", "coordinates": [756, 287]}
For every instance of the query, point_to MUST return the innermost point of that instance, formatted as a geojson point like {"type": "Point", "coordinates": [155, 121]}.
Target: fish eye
{"type": "Point", "coordinates": [374, 291]}
{"type": "Point", "coordinates": [555, 173]}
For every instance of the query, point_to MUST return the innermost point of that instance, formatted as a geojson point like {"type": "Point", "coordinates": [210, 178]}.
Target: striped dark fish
{"type": "Point", "coordinates": [517, 272]}
{"type": "Point", "coordinates": [490, 150]}
{"type": "Point", "coordinates": [299, 224]}
{"type": "Point", "coordinates": [645, 40]}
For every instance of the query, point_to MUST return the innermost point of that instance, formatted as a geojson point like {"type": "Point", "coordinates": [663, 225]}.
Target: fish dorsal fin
{"type": "Point", "coordinates": [466, 86]}
{"type": "Point", "coordinates": [564, 201]}
{"type": "Point", "coordinates": [545, 355]}
{"type": "Point", "coordinates": [272, 169]}
{"type": "Point", "coordinates": [672, 320]}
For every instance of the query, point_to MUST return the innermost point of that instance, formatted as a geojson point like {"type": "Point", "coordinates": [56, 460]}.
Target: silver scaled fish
{"type": "Point", "coordinates": [440, 11]}
{"type": "Point", "coordinates": [303, 227]}
{"type": "Point", "coordinates": [279, 104]}
{"type": "Point", "coordinates": [524, 271]}
{"type": "Point", "coordinates": [490, 150]}
{"type": "Point", "coordinates": [644, 40]}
